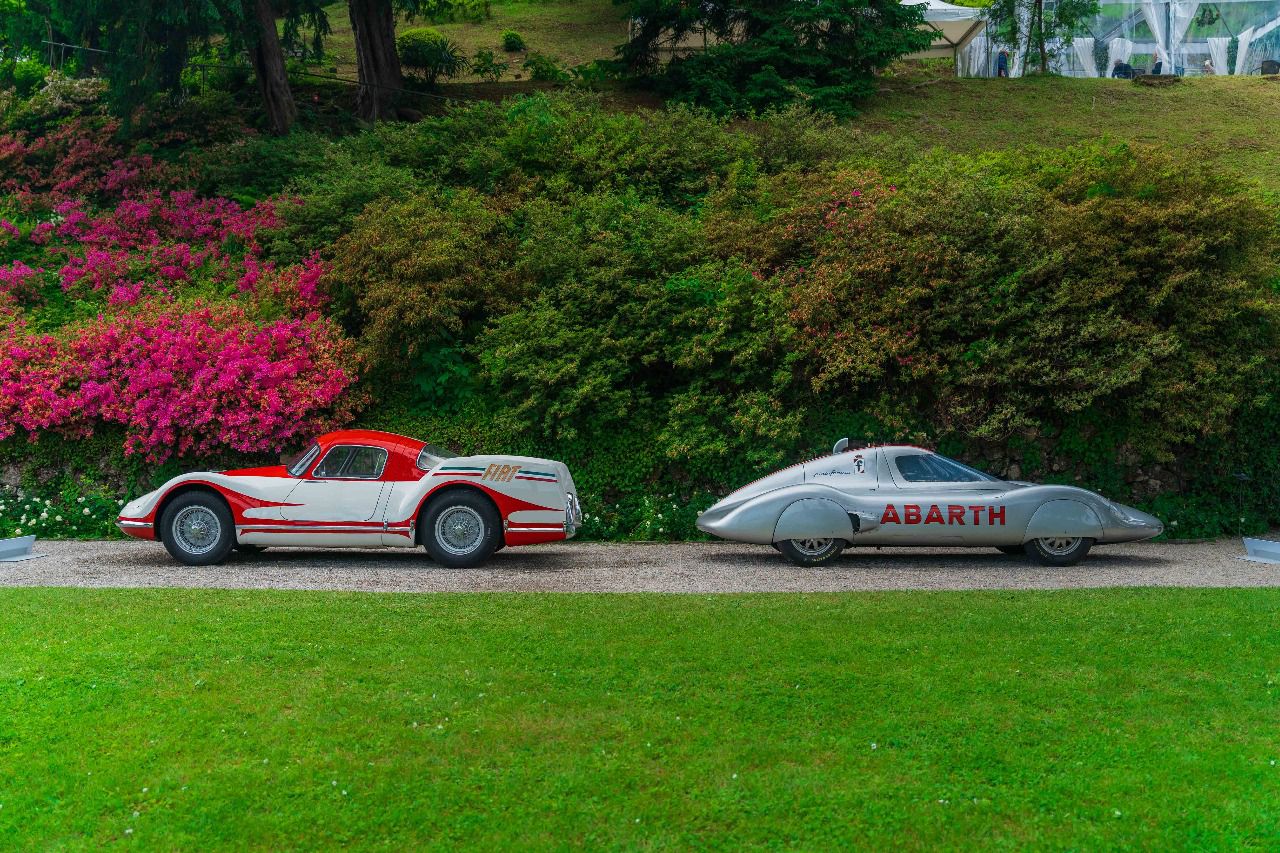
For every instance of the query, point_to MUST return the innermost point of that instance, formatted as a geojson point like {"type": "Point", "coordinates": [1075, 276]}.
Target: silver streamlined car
{"type": "Point", "coordinates": [901, 495]}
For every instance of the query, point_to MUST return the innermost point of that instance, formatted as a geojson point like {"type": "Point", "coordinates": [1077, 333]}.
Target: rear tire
{"type": "Point", "coordinates": [461, 529]}
{"type": "Point", "coordinates": [1059, 550]}
{"type": "Point", "coordinates": [810, 552]}
{"type": "Point", "coordinates": [197, 529]}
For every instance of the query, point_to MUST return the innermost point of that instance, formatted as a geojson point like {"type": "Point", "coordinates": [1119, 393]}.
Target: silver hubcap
{"type": "Point", "coordinates": [812, 547]}
{"type": "Point", "coordinates": [1059, 546]}
{"type": "Point", "coordinates": [459, 530]}
{"type": "Point", "coordinates": [197, 530]}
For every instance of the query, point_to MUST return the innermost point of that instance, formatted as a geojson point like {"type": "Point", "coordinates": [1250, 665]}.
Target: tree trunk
{"type": "Point", "coordinates": [373, 22]}
{"type": "Point", "coordinates": [1039, 31]}
{"type": "Point", "coordinates": [268, 66]}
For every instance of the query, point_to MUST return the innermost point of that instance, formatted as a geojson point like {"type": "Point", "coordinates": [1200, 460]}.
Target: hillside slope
{"type": "Point", "coordinates": [1230, 121]}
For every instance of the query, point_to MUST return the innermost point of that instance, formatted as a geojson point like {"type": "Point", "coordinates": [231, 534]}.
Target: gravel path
{"type": "Point", "coordinates": [685, 567]}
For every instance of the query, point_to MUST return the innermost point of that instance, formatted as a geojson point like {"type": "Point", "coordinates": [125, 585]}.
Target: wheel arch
{"type": "Point", "coordinates": [814, 517]}
{"type": "Point", "coordinates": [186, 489]}
{"type": "Point", "coordinates": [439, 494]}
{"type": "Point", "coordinates": [1063, 517]}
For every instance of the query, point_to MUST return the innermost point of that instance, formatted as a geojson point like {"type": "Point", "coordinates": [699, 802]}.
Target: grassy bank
{"type": "Point", "coordinates": [1227, 121]}
{"type": "Point", "coordinates": [575, 32]}
{"type": "Point", "coordinates": [297, 720]}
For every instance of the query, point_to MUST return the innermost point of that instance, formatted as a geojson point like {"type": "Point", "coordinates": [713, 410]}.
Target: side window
{"type": "Point", "coordinates": [349, 461]}
{"type": "Point", "coordinates": [932, 468]}
{"type": "Point", "coordinates": [366, 462]}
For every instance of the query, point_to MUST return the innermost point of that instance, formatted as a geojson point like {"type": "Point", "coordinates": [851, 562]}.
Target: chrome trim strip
{"type": "Point", "coordinates": [141, 525]}
{"type": "Point", "coordinates": [536, 529]}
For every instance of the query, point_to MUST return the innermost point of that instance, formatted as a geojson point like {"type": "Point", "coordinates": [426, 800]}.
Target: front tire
{"type": "Point", "coordinates": [810, 552]}
{"type": "Point", "coordinates": [1059, 550]}
{"type": "Point", "coordinates": [197, 529]}
{"type": "Point", "coordinates": [461, 529]}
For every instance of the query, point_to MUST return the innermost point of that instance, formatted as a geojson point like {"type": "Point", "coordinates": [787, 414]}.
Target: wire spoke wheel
{"type": "Point", "coordinates": [197, 530]}
{"type": "Point", "coordinates": [459, 530]}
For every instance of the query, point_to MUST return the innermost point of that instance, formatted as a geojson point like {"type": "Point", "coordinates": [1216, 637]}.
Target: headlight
{"type": "Point", "coordinates": [1122, 514]}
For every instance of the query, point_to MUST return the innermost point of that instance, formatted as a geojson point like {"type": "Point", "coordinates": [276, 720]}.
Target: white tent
{"type": "Point", "coordinates": [953, 26]}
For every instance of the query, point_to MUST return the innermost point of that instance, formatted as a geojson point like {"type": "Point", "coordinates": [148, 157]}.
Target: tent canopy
{"type": "Point", "coordinates": [953, 26]}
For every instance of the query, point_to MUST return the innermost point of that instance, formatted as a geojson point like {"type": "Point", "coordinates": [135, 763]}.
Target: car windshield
{"type": "Point", "coordinates": [932, 468]}
{"type": "Point", "coordinates": [298, 463]}
{"type": "Point", "coordinates": [431, 456]}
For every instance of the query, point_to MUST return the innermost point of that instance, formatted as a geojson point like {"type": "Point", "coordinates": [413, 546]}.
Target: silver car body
{"type": "Point", "coordinates": [903, 495]}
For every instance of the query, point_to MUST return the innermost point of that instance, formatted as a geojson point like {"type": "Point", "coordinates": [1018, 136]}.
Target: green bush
{"type": "Point", "coordinates": [486, 65]}
{"type": "Point", "coordinates": [430, 54]}
{"type": "Point", "coordinates": [24, 76]}
{"type": "Point", "coordinates": [545, 68]}
{"type": "Point", "coordinates": [674, 307]}
{"type": "Point", "coordinates": [255, 167]}
{"type": "Point", "coordinates": [512, 41]}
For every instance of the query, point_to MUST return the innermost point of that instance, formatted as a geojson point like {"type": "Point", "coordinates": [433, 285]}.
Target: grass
{"type": "Point", "coordinates": [190, 719]}
{"type": "Point", "coordinates": [1229, 121]}
{"type": "Point", "coordinates": [573, 31]}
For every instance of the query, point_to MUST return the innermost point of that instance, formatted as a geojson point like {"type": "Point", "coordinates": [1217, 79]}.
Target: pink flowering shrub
{"type": "Point", "coordinates": [174, 324]}
{"type": "Point", "coordinates": [184, 382]}
{"type": "Point", "coordinates": [19, 282]}
{"type": "Point", "coordinates": [155, 244]}
{"type": "Point", "coordinates": [80, 158]}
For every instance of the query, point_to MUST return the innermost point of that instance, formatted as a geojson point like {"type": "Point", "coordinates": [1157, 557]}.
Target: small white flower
{"type": "Point", "coordinates": [44, 515]}
{"type": "Point", "coordinates": [18, 531]}
{"type": "Point", "coordinates": [80, 499]}
{"type": "Point", "coordinates": [874, 746]}
{"type": "Point", "coordinates": [129, 831]}
{"type": "Point", "coordinates": [57, 518]}
{"type": "Point", "coordinates": [85, 511]}
{"type": "Point", "coordinates": [1117, 813]}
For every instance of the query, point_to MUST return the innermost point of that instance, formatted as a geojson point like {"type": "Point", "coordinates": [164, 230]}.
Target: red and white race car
{"type": "Point", "coordinates": [360, 489]}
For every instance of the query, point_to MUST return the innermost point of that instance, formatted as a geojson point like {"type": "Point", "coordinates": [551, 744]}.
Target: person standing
{"type": "Point", "coordinates": [1002, 64]}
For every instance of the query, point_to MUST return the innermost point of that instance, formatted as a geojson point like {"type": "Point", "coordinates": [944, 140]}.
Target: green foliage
{"type": "Point", "coordinates": [512, 41]}
{"type": "Point", "coordinates": [1045, 32]}
{"type": "Point", "coordinates": [447, 11]}
{"type": "Point", "coordinates": [545, 68]}
{"type": "Point", "coordinates": [486, 65]}
{"type": "Point", "coordinates": [253, 168]}
{"type": "Point", "coordinates": [706, 304]}
{"type": "Point", "coordinates": [767, 53]}
{"type": "Point", "coordinates": [22, 75]}
{"type": "Point", "coordinates": [430, 54]}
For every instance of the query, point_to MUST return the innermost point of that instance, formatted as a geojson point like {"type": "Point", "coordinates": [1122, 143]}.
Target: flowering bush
{"type": "Point", "coordinates": [180, 381]}
{"type": "Point", "coordinates": [58, 515]}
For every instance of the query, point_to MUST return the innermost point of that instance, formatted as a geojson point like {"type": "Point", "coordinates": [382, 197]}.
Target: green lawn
{"type": "Point", "coordinates": [1229, 121]}
{"type": "Point", "coordinates": [574, 31]}
{"type": "Point", "coordinates": [188, 719]}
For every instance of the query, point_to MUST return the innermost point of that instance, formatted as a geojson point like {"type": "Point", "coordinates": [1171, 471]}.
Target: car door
{"type": "Point", "coordinates": [936, 501]}
{"type": "Point", "coordinates": [345, 486]}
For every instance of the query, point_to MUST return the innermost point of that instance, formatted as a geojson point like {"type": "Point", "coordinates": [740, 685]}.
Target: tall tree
{"type": "Point", "coordinates": [373, 23]}
{"type": "Point", "coordinates": [762, 53]}
{"type": "Point", "coordinates": [1038, 32]}
{"type": "Point", "coordinates": [267, 58]}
